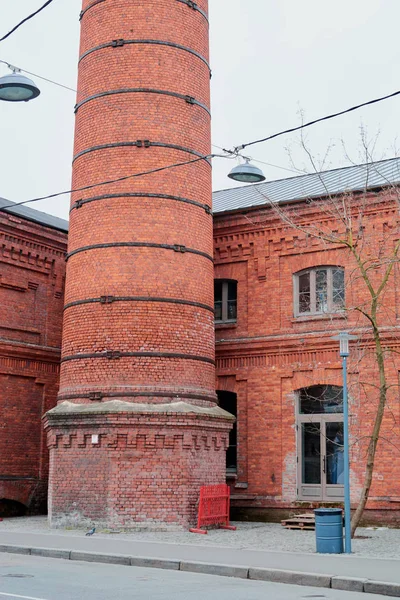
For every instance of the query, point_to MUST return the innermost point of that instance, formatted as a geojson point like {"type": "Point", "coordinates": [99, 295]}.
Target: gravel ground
{"type": "Point", "coordinates": [378, 543]}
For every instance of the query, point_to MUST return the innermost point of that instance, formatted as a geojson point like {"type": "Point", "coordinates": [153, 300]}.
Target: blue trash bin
{"type": "Point", "coordinates": [329, 530]}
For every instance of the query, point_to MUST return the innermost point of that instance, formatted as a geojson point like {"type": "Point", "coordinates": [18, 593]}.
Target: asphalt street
{"type": "Point", "coordinates": [33, 578]}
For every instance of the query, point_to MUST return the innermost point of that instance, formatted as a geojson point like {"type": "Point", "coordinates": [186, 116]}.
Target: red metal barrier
{"type": "Point", "coordinates": [213, 508]}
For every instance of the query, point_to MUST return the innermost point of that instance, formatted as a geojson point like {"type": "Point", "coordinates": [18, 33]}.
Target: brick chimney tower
{"type": "Point", "coordinates": [137, 429]}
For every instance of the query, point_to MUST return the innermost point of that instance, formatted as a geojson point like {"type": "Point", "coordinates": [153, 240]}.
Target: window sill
{"type": "Point", "coordinates": [227, 325]}
{"type": "Point", "coordinates": [319, 317]}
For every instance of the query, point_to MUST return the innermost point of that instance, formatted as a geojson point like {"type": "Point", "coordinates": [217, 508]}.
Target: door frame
{"type": "Point", "coordinates": [323, 496]}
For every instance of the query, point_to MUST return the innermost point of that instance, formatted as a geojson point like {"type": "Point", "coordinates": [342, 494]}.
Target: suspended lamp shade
{"type": "Point", "coordinates": [17, 88]}
{"type": "Point", "coordinates": [247, 173]}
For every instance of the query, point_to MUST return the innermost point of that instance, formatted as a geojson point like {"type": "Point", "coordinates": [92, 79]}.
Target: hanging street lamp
{"type": "Point", "coordinates": [15, 87]}
{"type": "Point", "coordinates": [247, 173]}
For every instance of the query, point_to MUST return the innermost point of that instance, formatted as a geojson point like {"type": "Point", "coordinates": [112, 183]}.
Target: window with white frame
{"type": "Point", "coordinates": [319, 290]}
{"type": "Point", "coordinates": [225, 300]}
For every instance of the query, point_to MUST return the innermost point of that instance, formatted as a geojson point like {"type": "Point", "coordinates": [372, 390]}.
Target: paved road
{"type": "Point", "coordinates": [32, 578]}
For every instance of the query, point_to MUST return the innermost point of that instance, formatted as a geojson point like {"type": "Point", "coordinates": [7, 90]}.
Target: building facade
{"type": "Point", "coordinates": [282, 290]}
{"type": "Point", "coordinates": [32, 272]}
{"type": "Point", "coordinates": [286, 283]}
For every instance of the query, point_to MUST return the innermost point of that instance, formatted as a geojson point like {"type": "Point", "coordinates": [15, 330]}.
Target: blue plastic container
{"type": "Point", "coordinates": [329, 530]}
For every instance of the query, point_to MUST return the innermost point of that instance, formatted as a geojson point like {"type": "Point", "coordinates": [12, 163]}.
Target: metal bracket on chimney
{"type": "Point", "coordinates": [117, 43]}
{"type": "Point", "coordinates": [107, 299]}
{"type": "Point", "coordinates": [143, 143]}
{"type": "Point", "coordinates": [113, 354]}
{"type": "Point", "coordinates": [179, 248]}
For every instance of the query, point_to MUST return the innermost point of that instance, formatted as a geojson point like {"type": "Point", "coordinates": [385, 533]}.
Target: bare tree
{"type": "Point", "coordinates": [370, 250]}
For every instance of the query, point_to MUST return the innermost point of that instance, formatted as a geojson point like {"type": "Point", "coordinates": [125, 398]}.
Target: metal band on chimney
{"type": "Point", "coordinates": [141, 144]}
{"type": "Point", "coordinates": [112, 299]}
{"type": "Point", "coordinates": [175, 247]}
{"type": "Point", "coordinates": [121, 42]}
{"type": "Point", "coordinates": [189, 3]}
{"type": "Point", "coordinates": [116, 355]}
{"type": "Point", "coordinates": [195, 6]}
{"type": "Point", "coordinates": [83, 12]}
{"type": "Point", "coordinates": [79, 203]}
{"type": "Point", "coordinates": [188, 99]}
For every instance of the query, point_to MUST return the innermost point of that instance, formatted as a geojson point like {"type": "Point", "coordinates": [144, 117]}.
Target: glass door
{"type": "Point", "coordinates": [320, 444]}
{"type": "Point", "coordinates": [333, 461]}
{"type": "Point", "coordinates": [311, 473]}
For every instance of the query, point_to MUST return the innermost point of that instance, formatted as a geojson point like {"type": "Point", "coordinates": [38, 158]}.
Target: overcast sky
{"type": "Point", "coordinates": [271, 59]}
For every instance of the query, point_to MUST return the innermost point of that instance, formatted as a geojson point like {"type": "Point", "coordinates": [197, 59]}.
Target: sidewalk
{"type": "Point", "coordinates": [340, 571]}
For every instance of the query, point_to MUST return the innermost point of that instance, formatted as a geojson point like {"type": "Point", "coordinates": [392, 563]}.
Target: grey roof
{"type": "Point", "coordinates": [31, 214]}
{"type": "Point", "coordinates": [314, 185]}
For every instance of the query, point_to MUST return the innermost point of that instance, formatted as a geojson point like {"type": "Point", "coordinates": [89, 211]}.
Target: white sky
{"type": "Point", "coordinates": [270, 58]}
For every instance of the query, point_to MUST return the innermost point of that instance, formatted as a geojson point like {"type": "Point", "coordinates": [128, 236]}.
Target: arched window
{"type": "Point", "coordinates": [225, 300]}
{"type": "Point", "coordinates": [319, 290]}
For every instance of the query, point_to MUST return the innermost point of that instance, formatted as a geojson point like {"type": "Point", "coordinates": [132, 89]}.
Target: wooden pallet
{"type": "Point", "coordinates": [304, 522]}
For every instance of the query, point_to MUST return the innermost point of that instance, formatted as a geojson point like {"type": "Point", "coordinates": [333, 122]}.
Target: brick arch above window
{"type": "Point", "coordinates": [319, 290]}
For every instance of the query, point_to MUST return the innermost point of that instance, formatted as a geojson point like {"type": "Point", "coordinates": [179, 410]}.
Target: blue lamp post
{"type": "Point", "coordinates": [344, 339]}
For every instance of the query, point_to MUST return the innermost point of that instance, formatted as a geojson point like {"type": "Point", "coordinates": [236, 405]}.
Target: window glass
{"type": "Point", "coordinates": [225, 300]}
{"type": "Point", "coordinates": [304, 293]}
{"type": "Point", "coordinates": [334, 453]}
{"type": "Point", "coordinates": [311, 459]}
{"type": "Point", "coordinates": [319, 399]}
{"type": "Point", "coordinates": [218, 300]}
{"type": "Point", "coordinates": [321, 290]}
{"type": "Point", "coordinates": [338, 288]}
{"type": "Point", "coordinates": [232, 300]}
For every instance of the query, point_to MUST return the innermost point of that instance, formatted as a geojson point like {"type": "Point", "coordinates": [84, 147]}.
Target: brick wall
{"type": "Point", "coordinates": [268, 355]}
{"type": "Point", "coordinates": [32, 269]}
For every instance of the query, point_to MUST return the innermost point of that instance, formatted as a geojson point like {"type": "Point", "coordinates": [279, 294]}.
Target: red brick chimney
{"type": "Point", "coordinates": [137, 429]}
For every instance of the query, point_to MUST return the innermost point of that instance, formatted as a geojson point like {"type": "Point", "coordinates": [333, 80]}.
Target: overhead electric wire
{"type": "Point", "coordinates": [119, 179]}
{"type": "Point", "coordinates": [235, 152]}
{"type": "Point", "coordinates": [19, 69]}
{"type": "Point", "coordinates": [25, 20]}
{"type": "Point", "coordinates": [238, 149]}
{"type": "Point", "coordinates": [262, 162]}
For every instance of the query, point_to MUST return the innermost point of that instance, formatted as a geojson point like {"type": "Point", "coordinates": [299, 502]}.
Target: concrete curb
{"type": "Point", "coordinates": [351, 584]}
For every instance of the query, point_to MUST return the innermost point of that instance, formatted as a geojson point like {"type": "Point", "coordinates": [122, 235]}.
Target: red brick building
{"type": "Point", "coordinates": [32, 271]}
{"type": "Point", "coordinates": [281, 294]}
{"type": "Point", "coordinates": [279, 297]}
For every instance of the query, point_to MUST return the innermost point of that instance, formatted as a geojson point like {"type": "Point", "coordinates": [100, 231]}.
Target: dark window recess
{"type": "Point", "coordinates": [228, 401]}
{"type": "Point", "coordinates": [225, 301]}
{"type": "Point", "coordinates": [318, 291]}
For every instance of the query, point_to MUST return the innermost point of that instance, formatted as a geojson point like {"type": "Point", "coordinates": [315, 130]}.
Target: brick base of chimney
{"type": "Point", "coordinates": [124, 465]}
